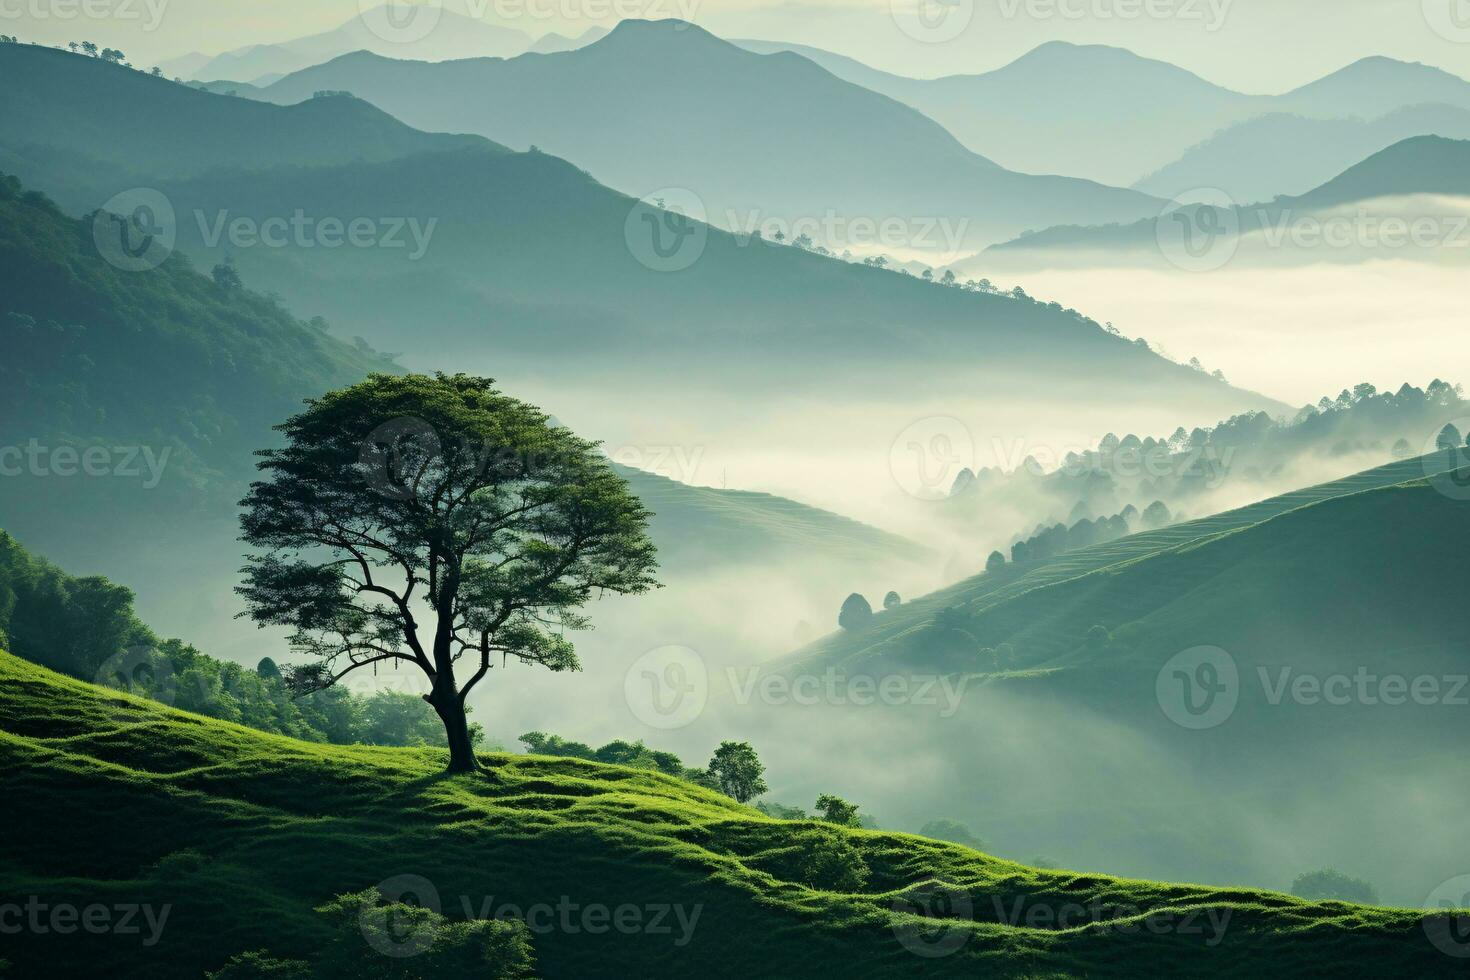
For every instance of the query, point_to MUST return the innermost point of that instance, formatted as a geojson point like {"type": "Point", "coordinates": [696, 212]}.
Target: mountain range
{"type": "Point", "coordinates": [1109, 115]}
{"type": "Point", "coordinates": [872, 162]}
{"type": "Point", "coordinates": [528, 254]}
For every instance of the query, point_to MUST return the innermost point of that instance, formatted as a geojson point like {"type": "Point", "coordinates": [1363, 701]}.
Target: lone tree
{"type": "Point", "coordinates": [737, 771]}
{"type": "Point", "coordinates": [405, 495]}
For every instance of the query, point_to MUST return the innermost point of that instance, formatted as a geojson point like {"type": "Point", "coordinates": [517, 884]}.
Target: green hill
{"type": "Point", "coordinates": [1048, 588]}
{"type": "Point", "coordinates": [229, 838]}
{"type": "Point", "coordinates": [707, 526]}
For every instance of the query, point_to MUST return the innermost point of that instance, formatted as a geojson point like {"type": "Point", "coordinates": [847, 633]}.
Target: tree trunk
{"type": "Point", "coordinates": [456, 728]}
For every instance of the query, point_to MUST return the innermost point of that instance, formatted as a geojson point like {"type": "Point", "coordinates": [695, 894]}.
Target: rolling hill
{"type": "Point", "coordinates": [238, 819]}
{"type": "Point", "coordinates": [1110, 115]}
{"type": "Point", "coordinates": [861, 166]}
{"type": "Point", "coordinates": [1153, 567]}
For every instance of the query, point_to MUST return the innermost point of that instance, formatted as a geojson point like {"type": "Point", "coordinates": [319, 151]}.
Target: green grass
{"type": "Point", "coordinates": [110, 799]}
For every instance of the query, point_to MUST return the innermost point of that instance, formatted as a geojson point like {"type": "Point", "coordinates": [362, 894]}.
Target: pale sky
{"type": "Point", "coordinates": [1251, 45]}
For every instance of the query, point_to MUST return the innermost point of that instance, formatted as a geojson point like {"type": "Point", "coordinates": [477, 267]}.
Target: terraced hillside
{"type": "Point", "coordinates": [239, 835]}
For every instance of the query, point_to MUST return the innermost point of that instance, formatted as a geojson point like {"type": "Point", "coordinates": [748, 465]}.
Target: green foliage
{"type": "Point", "coordinates": [86, 628]}
{"type": "Point", "coordinates": [952, 830]}
{"type": "Point", "coordinates": [260, 965]}
{"type": "Point", "coordinates": [737, 771]}
{"type": "Point", "coordinates": [397, 941]}
{"type": "Point", "coordinates": [442, 494]}
{"type": "Point", "coordinates": [834, 809]}
{"type": "Point", "coordinates": [829, 862]}
{"type": "Point", "coordinates": [892, 600]}
{"type": "Point", "coordinates": [1329, 884]}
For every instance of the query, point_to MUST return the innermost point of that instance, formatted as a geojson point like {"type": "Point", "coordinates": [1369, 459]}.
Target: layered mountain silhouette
{"type": "Point", "coordinates": [433, 33]}
{"type": "Point", "coordinates": [814, 146]}
{"type": "Point", "coordinates": [1394, 183]}
{"type": "Point", "coordinates": [1285, 154]}
{"type": "Point", "coordinates": [526, 264]}
{"type": "Point", "coordinates": [1108, 114]}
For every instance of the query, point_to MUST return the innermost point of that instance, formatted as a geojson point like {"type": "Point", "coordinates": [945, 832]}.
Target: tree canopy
{"type": "Point", "coordinates": [402, 495]}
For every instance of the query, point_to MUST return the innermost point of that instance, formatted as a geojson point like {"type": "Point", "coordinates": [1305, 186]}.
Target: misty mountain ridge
{"type": "Point", "coordinates": [874, 162]}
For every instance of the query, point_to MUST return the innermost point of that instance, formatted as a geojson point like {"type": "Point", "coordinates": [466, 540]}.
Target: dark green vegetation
{"type": "Point", "coordinates": [86, 628]}
{"type": "Point", "coordinates": [403, 492]}
{"type": "Point", "coordinates": [242, 834]}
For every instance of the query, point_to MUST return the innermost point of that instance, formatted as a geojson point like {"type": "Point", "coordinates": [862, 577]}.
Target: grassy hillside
{"type": "Point", "coordinates": [1049, 588]}
{"type": "Point", "coordinates": [240, 834]}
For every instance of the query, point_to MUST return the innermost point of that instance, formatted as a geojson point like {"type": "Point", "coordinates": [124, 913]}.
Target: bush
{"type": "Point", "coordinates": [829, 862]}
{"type": "Point", "coordinates": [1329, 884]}
{"type": "Point", "coordinates": [856, 613]}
